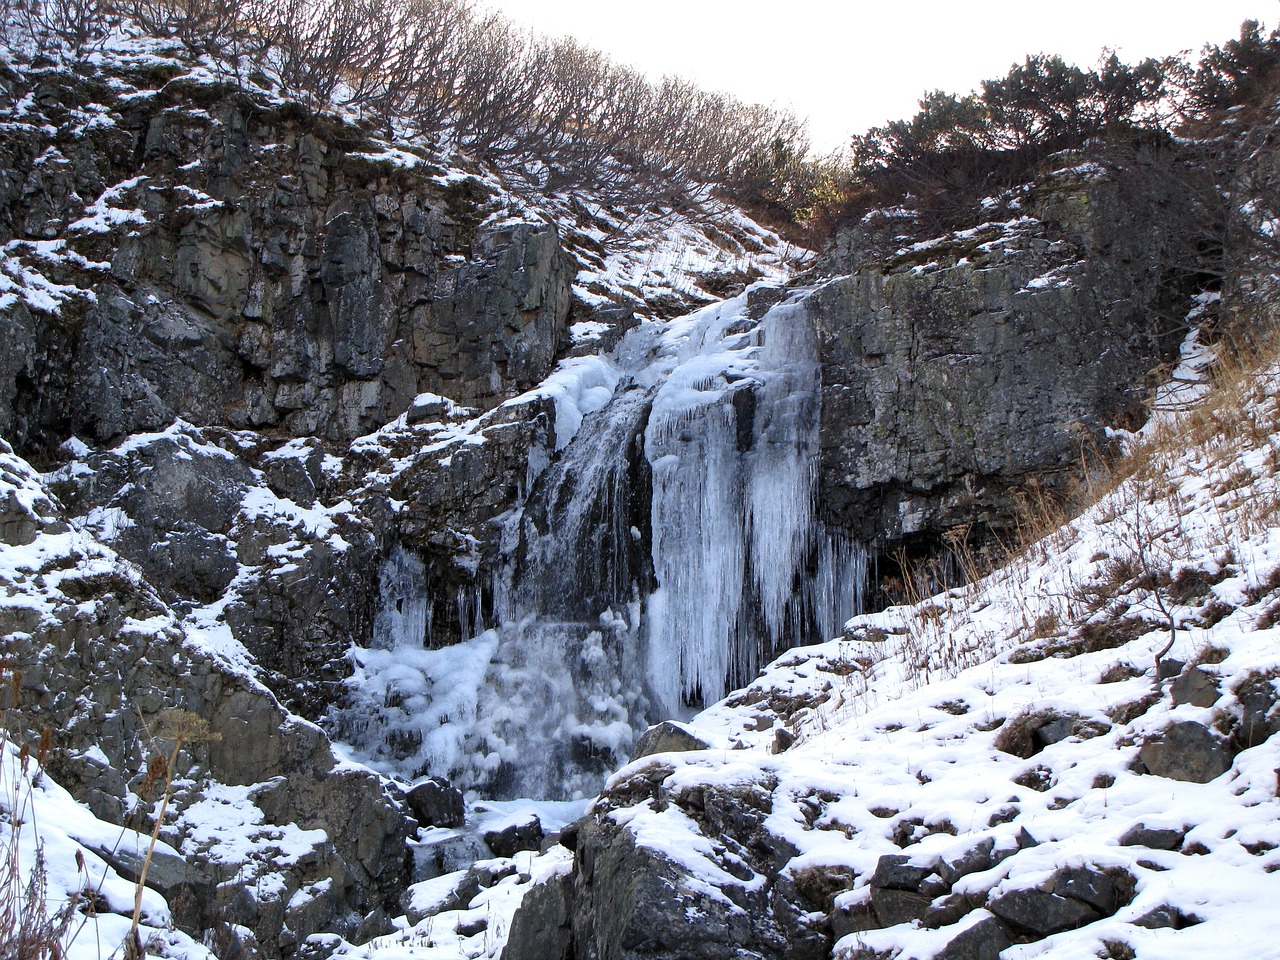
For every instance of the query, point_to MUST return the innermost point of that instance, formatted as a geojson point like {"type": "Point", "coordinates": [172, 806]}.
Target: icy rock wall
{"type": "Point", "coordinates": [668, 550]}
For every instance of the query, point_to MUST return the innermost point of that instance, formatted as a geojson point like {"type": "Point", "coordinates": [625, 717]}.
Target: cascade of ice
{"type": "Point", "coordinates": [668, 548]}
{"type": "Point", "coordinates": [742, 565]}
{"type": "Point", "coordinates": [403, 619]}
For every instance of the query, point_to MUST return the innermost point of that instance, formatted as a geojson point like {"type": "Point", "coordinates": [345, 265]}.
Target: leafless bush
{"type": "Point", "coordinates": [560, 111]}
{"type": "Point", "coordinates": [29, 930]}
{"type": "Point", "coordinates": [71, 25]}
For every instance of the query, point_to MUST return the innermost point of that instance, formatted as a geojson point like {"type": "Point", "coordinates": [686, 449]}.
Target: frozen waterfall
{"type": "Point", "coordinates": [666, 551]}
{"type": "Point", "coordinates": [743, 567]}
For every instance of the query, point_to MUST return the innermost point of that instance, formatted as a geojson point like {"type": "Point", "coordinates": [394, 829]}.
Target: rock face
{"type": "Point", "coordinates": [86, 621]}
{"type": "Point", "coordinates": [275, 274]}
{"type": "Point", "coordinates": [958, 371]}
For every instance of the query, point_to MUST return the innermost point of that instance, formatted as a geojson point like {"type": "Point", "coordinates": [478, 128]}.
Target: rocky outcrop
{"type": "Point", "coordinates": [249, 264]}
{"type": "Point", "coordinates": [959, 371]}
{"type": "Point", "coordinates": [323, 846]}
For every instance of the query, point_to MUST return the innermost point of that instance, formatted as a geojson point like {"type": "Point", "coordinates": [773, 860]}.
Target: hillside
{"type": "Point", "coordinates": [433, 545]}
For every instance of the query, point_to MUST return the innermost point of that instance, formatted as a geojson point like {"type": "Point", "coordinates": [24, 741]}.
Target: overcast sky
{"type": "Point", "coordinates": [849, 64]}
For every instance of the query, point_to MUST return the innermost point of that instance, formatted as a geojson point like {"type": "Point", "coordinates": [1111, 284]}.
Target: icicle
{"type": "Point", "coordinates": [404, 608]}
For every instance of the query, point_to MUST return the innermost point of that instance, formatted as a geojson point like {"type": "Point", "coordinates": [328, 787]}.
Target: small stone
{"type": "Point", "coordinates": [783, 739]}
{"type": "Point", "coordinates": [1166, 916]}
{"type": "Point", "coordinates": [1140, 835]}
{"type": "Point", "coordinates": [472, 926]}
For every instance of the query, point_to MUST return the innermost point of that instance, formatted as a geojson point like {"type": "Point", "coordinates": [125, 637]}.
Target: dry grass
{"type": "Point", "coordinates": [1149, 514]}
{"type": "Point", "coordinates": [29, 929]}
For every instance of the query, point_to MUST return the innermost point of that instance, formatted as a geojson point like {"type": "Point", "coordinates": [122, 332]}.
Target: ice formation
{"type": "Point", "coordinates": [669, 549]}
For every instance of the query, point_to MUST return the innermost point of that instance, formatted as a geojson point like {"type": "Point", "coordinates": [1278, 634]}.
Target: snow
{"type": "Point", "coordinates": [579, 386]}
{"type": "Point", "coordinates": [224, 826]}
{"type": "Point", "coordinates": [897, 720]}
{"type": "Point", "coordinates": [102, 217]}
{"type": "Point", "coordinates": [43, 830]}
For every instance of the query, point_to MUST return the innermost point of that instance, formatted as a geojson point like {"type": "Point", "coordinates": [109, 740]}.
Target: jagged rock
{"type": "Point", "coordinates": [982, 941]}
{"type": "Point", "coordinates": [377, 923]}
{"type": "Point", "coordinates": [897, 872]}
{"type": "Point", "coordinates": [898, 906]}
{"type": "Point", "coordinates": [1185, 750]}
{"type": "Point", "coordinates": [234, 942]}
{"type": "Point", "coordinates": [1259, 718]}
{"type": "Point", "coordinates": [513, 838]}
{"type": "Point", "coordinates": [1094, 887]}
{"type": "Point", "coordinates": [437, 803]}
{"type": "Point", "coordinates": [973, 860]}
{"type": "Point", "coordinates": [542, 928]}
{"type": "Point", "coordinates": [312, 290]}
{"type": "Point", "coordinates": [852, 913]}
{"type": "Point", "coordinates": [669, 736]}
{"type": "Point", "coordinates": [1042, 913]}
{"type": "Point", "coordinates": [925, 353]}
{"type": "Point", "coordinates": [633, 903]}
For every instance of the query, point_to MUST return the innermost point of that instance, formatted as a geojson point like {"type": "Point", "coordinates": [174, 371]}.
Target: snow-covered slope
{"type": "Point", "coordinates": [1018, 767]}
{"type": "Point", "coordinates": [999, 768]}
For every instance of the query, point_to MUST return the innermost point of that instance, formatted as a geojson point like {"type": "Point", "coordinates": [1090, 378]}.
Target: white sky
{"type": "Point", "coordinates": [850, 65]}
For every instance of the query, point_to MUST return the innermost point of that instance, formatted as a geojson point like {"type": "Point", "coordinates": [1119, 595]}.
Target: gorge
{"type": "Point", "coordinates": [416, 479]}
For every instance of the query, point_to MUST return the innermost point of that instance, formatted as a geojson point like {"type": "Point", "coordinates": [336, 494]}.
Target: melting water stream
{"type": "Point", "coordinates": [668, 551]}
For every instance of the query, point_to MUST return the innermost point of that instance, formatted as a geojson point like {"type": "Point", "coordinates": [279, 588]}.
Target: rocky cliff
{"type": "Point", "coordinates": [963, 371]}
{"type": "Point", "coordinates": [304, 424]}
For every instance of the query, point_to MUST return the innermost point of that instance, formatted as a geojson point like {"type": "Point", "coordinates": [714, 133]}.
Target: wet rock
{"type": "Point", "coordinates": [1185, 750]}
{"type": "Point", "coordinates": [513, 838]}
{"type": "Point", "coordinates": [437, 803]}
